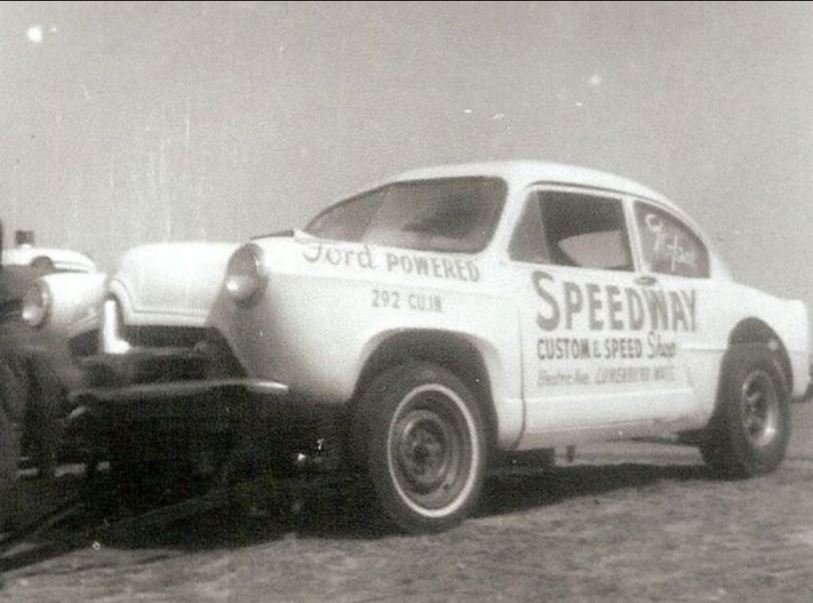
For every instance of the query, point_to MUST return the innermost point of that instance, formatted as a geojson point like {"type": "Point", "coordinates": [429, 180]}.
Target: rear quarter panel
{"type": "Point", "coordinates": [171, 284]}
{"type": "Point", "coordinates": [731, 304]}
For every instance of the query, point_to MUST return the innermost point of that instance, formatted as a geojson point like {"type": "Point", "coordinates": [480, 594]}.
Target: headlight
{"type": "Point", "coordinates": [37, 304]}
{"type": "Point", "coordinates": [245, 275]}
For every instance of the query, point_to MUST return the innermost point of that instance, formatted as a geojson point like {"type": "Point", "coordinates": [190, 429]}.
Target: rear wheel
{"type": "Point", "coordinates": [749, 432]}
{"type": "Point", "coordinates": [418, 436]}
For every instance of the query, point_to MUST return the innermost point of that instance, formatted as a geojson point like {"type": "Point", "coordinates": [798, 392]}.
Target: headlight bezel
{"type": "Point", "coordinates": [246, 275]}
{"type": "Point", "coordinates": [37, 305]}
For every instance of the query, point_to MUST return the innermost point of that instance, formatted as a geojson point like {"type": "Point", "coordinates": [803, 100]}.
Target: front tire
{"type": "Point", "coordinates": [419, 439]}
{"type": "Point", "coordinates": [749, 432]}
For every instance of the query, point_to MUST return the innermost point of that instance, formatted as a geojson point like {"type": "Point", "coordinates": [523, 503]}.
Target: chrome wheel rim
{"type": "Point", "coordinates": [759, 404]}
{"type": "Point", "coordinates": [430, 449]}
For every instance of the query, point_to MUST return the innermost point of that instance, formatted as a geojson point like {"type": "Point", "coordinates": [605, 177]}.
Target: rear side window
{"type": "Point", "coordinates": [668, 245]}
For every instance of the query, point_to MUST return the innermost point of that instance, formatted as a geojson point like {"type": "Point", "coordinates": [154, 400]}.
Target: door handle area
{"type": "Point", "coordinates": [646, 280]}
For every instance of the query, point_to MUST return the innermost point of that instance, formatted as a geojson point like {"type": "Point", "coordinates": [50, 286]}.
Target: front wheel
{"type": "Point", "coordinates": [419, 438]}
{"type": "Point", "coordinates": [750, 429]}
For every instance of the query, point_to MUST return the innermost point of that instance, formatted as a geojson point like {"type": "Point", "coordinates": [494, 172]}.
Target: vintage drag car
{"type": "Point", "coordinates": [415, 332]}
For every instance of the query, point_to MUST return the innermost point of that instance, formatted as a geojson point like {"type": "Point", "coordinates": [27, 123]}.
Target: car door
{"type": "Point", "coordinates": [586, 320]}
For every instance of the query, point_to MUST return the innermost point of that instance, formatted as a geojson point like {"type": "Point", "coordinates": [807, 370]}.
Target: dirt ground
{"type": "Point", "coordinates": [638, 522]}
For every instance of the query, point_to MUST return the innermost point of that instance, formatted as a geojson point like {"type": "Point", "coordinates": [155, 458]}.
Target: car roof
{"type": "Point", "coordinates": [520, 174]}
{"type": "Point", "coordinates": [63, 259]}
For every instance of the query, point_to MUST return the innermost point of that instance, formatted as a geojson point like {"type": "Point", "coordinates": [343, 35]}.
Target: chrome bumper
{"type": "Point", "coordinates": [178, 389]}
{"type": "Point", "coordinates": [215, 402]}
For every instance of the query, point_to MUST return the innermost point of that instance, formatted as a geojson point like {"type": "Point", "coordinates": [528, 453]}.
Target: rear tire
{"type": "Point", "coordinates": [749, 432]}
{"type": "Point", "coordinates": [419, 439]}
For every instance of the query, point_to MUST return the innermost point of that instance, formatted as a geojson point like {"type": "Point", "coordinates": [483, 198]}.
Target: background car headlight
{"type": "Point", "coordinates": [245, 275]}
{"type": "Point", "coordinates": [37, 304]}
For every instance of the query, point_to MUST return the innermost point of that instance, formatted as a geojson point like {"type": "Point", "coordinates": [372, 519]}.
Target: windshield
{"type": "Point", "coordinates": [448, 214]}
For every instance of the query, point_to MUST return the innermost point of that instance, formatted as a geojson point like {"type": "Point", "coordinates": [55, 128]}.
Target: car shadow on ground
{"type": "Point", "coordinates": [338, 514]}
{"type": "Point", "coordinates": [520, 490]}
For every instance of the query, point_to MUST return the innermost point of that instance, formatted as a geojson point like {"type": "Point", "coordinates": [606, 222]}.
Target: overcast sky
{"type": "Point", "coordinates": [127, 123]}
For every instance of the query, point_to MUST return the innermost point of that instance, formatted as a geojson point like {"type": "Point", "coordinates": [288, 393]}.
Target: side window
{"type": "Point", "coordinates": [528, 242]}
{"type": "Point", "coordinates": [585, 230]}
{"type": "Point", "coordinates": [669, 247]}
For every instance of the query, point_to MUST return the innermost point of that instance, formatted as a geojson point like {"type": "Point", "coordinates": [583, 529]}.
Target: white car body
{"type": "Point", "coordinates": [169, 284]}
{"type": "Point", "coordinates": [69, 323]}
{"type": "Point", "coordinates": [316, 325]}
{"type": "Point", "coordinates": [71, 288]}
{"type": "Point", "coordinates": [448, 317]}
